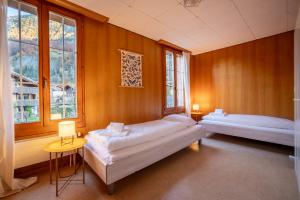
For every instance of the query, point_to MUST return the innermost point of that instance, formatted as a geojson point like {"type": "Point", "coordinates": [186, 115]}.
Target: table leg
{"type": "Point", "coordinates": [56, 173]}
{"type": "Point", "coordinates": [74, 161]}
{"type": "Point", "coordinates": [50, 163]}
{"type": "Point", "coordinates": [83, 175]}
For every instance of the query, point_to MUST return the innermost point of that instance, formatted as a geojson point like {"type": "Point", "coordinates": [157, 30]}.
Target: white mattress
{"type": "Point", "coordinates": [108, 158]}
{"type": "Point", "coordinates": [253, 120]}
{"type": "Point", "coordinates": [138, 134]}
{"type": "Point", "coordinates": [274, 135]}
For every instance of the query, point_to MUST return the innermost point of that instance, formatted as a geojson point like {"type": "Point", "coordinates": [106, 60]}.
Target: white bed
{"type": "Point", "coordinates": [263, 128]}
{"type": "Point", "coordinates": [126, 156]}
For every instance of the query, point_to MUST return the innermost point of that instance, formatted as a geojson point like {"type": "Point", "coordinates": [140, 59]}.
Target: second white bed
{"type": "Point", "coordinates": [263, 128]}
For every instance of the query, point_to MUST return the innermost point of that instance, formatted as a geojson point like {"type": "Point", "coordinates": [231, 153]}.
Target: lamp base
{"type": "Point", "coordinates": [66, 140]}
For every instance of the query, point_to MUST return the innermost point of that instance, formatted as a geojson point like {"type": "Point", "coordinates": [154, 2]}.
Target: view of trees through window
{"type": "Point", "coordinates": [174, 77]}
{"type": "Point", "coordinates": [23, 42]}
{"type": "Point", "coordinates": [22, 24]}
{"type": "Point", "coordinates": [180, 81]}
{"type": "Point", "coordinates": [170, 81]}
{"type": "Point", "coordinates": [62, 38]}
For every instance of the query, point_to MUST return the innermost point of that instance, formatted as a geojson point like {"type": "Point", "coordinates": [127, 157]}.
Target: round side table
{"type": "Point", "coordinates": [56, 147]}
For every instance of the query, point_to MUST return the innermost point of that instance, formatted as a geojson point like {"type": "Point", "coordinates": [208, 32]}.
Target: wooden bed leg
{"type": "Point", "coordinates": [111, 188]}
{"type": "Point", "coordinates": [199, 141]}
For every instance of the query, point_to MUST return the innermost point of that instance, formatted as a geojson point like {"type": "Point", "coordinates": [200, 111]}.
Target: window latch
{"type": "Point", "coordinates": [45, 82]}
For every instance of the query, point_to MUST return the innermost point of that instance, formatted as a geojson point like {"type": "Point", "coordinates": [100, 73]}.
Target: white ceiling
{"type": "Point", "coordinates": [214, 24]}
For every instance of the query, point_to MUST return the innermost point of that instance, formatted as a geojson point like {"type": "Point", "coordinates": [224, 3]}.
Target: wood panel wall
{"type": "Point", "coordinates": [251, 78]}
{"type": "Point", "coordinates": [105, 101]}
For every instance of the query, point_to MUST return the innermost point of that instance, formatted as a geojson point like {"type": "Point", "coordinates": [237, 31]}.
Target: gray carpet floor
{"type": "Point", "coordinates": [222, 168]}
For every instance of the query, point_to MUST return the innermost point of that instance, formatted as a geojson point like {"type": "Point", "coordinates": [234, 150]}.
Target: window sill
{"type": "Point", "coordinates": [42, 132]}
{"type": "Point", "coordinates": [35, 136]}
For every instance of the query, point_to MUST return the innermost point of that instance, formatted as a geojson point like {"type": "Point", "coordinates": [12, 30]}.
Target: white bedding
{"type": "Point", "coordinates": [253, 120]}
{"type": "Point", "coordinates": [138, 134]}
{"type": "Point", "coordinates": [274, 135]}
{"type": "Point", "coordinates": [110, 157]}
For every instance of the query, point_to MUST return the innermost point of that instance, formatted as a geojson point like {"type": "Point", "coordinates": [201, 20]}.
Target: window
{"type": "Point", "coordinates": [174, 81]}
{"type": "Point", "coordinates": [62, 37]}
{"type": "Point", "coordinates": [23, 42]}
{"type": "Point", "coordinates": [46, 66]}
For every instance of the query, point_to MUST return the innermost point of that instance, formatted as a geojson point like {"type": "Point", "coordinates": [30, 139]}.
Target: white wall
{"type": "Point", "coordinates": [28, 152]}
{"type": "Point", "coordinates": [297, 97]}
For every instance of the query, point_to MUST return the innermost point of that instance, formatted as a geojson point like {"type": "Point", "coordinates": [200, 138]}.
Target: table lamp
{"type": "Point", "coordinates": [66, 130]}
{"type": "Point", "coordinates": [196, 108]}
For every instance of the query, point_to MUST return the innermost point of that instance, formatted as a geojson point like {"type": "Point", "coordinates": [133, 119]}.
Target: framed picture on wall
{"type": "Point", "coordinates": [131, 69]}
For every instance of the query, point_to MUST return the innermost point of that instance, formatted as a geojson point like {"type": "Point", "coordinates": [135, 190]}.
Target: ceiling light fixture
{"type": "Point", "coordinates": [191, 3]}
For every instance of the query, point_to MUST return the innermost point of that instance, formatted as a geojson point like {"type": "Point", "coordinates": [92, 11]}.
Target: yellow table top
{"type": "Point", "coordinates": [57, 147]}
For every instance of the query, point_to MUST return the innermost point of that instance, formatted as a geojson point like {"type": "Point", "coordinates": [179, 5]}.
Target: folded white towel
{"type": "Point", "coordinates": [116, 127]}
{"type": "Point", "coordinates": [219, 111]}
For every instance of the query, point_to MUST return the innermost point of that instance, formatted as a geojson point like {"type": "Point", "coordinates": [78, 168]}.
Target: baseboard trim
{"type": "Point", "coordinates": [35, 169]}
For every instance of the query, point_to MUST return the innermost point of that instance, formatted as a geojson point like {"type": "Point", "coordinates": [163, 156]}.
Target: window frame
{"type": "Point", "coordinates": [46, 126]}
{"type": "Point", "coordinates": [176, 108]}
{"type": "Point", "coordinates": [46, 72]}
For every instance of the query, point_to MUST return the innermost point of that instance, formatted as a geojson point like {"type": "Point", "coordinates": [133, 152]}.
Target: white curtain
{"type": "Point", "coordinates": [186, 64]}
{"type": "Point", "coordinates": [8, 185]}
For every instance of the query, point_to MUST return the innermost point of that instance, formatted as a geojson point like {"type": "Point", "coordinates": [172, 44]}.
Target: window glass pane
{"type": "Point", "coordinates": [29, 24]}
{"type": "Point", "coordinates": [170, 97]}
{"type": "Point", "coordinates": [29, 57]}
{"type": "Point", "coordinates": [56, 98]}
{"type": "Point", "coordinates": [12, 23]}
{"type": "Point", "coordinates": [55, 31]}
{"type": "Point", "coordinates": [56, 63]}
{"type": "Point", "coordinates": [22, 33]}
{"type": "Point", "coordinates": [69, 68]}
{"type": "Point", "coordinates": [170, 84]}
{"type": "Point", "coordinates": [70, 101]}
{"type": "Point", "coordinates": [63, 67]}
{"type": "Point", "coordinates": [180, 81]}
{"type": "Point", "coordinates": [70, 35]}
{"type": "Point", "coordinates": [14, 56]}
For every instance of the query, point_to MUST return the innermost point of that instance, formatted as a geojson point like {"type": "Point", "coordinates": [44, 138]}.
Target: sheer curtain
{"type": "Point", "coordinates": [186, 64]}
{"type": "Point", "coordinates": [8, 185]}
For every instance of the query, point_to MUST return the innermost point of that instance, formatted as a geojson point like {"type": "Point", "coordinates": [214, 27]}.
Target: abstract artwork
{"type": "Point", "coordinates": [131, 69]}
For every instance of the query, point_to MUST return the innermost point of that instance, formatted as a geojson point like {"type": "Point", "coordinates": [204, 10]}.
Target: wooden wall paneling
{"type": "Point", "coordinates": [136, 95]}
{"type": "Point", "coordinates": [102, 77]}
{"type": "Point", "coordinates": [202, 86]}
{"type": "Point", "coordinates": [105, 100]}
{"type": "Point", "coordinates": [253, 78]}
{"type": "Point", "coordinates": [259, 71]}
{"type": "Point", "coordinates": [270, 57]}
{"type": "Point", "coordinates": [286, 81]}
{"type": "Point", "coordinates": [154, 73]}
{"type": "Point", "coordinates": [91, 78]}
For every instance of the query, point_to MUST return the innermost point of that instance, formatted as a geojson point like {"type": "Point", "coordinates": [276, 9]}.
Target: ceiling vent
{"type": "Point", "coordinates": [191, 3]}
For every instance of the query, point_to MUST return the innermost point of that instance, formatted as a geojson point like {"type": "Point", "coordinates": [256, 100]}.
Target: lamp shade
{"type": "Point", "coordinates": [66, 128]}
{"type": "Point", "coordinates": [196, 107]}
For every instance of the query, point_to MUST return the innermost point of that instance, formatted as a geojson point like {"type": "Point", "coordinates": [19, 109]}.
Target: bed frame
{"type": "Point", "coordinates": [121, 168]}
{"type": "Point", "coordinates": [272, 135]}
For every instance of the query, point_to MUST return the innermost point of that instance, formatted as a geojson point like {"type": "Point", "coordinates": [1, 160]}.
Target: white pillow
{"type": "Point", "coordinates": [180, 118]}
